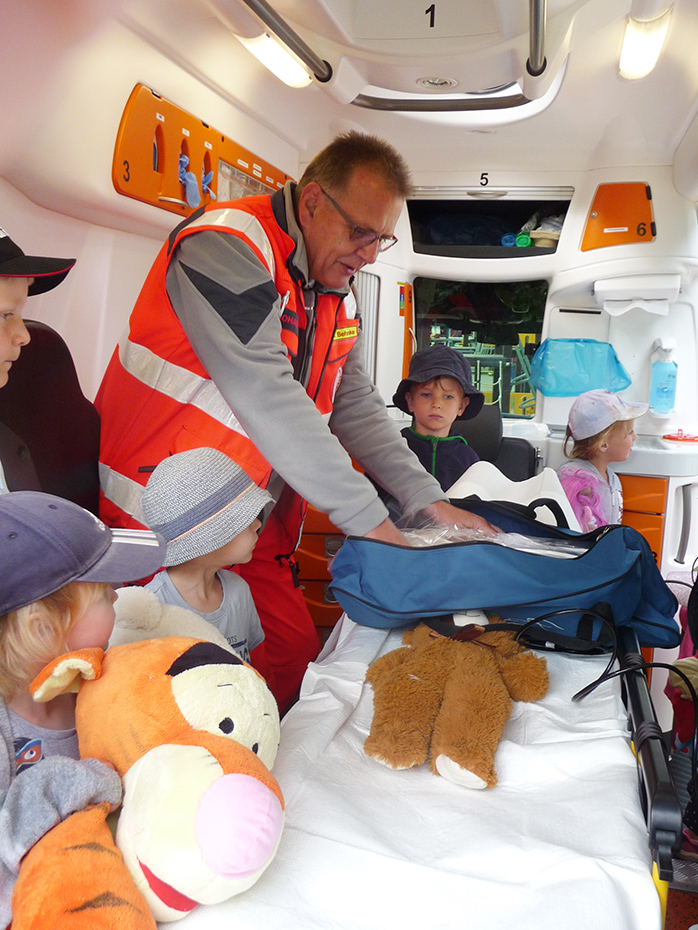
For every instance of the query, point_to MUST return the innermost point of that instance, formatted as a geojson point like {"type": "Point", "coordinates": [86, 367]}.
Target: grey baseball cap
{"type": "Point", "coordinates": [199, 500]}
{"type": "Point", "coordinates": [439, 362]}
{"type": "Point", "coordinates": [46, 542]}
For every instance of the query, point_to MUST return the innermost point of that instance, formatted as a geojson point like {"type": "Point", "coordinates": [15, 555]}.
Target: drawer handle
{"type": "Point", "coordinates": [332, 545]}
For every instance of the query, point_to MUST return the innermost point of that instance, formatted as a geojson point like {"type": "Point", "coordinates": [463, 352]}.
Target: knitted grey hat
{"type": "Point", "coordinates": [199, 500]}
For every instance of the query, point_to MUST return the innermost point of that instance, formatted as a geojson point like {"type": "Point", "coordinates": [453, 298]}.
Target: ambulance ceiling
{"type": "Point", "coordinates": [69, 68]}
{"type": "Point", "coordinates": [477, 65]}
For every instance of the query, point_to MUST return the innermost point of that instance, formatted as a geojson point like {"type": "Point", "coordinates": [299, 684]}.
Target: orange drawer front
{"type": "Point", "coordinates": [313, 553]}
{"type": "Point", "coordinates": [318, 522]}
{"type": "Point", "coordinates": [323, 608]}
{"type": "Point", "coordinates": [651, 525]}
{"type": "Point", "coordinates": [646, 495]}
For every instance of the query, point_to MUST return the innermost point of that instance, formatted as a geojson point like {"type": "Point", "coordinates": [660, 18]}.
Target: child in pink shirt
{"type": "Point", "coordinates": [600, 425]}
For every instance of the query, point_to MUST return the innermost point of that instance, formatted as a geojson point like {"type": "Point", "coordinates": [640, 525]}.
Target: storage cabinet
{"type": "Point", "coordinates": [482, 223]}
{"type": "Point", "coordinates": [320, 541]}
{"type": "Point", "coordinates": [644, 508]}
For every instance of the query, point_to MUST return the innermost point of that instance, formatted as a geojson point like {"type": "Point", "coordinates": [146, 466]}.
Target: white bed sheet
{"type": "Point", "coordinates": [559, 843]}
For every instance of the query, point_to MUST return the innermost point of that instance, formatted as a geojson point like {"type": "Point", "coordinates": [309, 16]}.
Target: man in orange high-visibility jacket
{"type": "Point", "coordinates": [246, 338]}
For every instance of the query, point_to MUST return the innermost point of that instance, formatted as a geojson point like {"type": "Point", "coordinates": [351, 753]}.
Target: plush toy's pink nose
{"type": "Point", "coordinates": [238, 825]}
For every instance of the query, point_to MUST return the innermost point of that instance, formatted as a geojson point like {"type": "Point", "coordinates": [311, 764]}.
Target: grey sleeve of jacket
{"type": "Point", "coordinates": [37, 800]}
{"type": "Point", "coordinates": [362, 424]}
{"type": "Point", "coordinates": [235, 330]}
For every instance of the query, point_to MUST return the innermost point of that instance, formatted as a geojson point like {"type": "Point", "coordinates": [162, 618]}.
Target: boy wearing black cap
{"type": "Point", "coordinates": [21, 276]}
{"type": "Point", "coordinates": [437, 391]}
{"type": "Point", "coordinates": [58, 566]}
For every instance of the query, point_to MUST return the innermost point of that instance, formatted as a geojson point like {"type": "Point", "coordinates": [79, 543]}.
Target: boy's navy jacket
{"type": "Point", "coordinates": [384, 585]}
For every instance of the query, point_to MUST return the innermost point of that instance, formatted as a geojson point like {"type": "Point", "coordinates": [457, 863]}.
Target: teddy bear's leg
{"type": "Point", "coordinates": [404, 709]}
{"type": "Point", "coordinates": [75, 878]}
{"type": "Point", "coordinates": [476, 706]}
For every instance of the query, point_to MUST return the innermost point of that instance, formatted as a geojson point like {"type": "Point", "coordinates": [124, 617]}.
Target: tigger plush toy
{"type": "Point", "coordinates": [193, 732]}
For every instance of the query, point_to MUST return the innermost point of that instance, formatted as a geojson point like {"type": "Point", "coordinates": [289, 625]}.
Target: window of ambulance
{"type": "Point", "coordinates": [497, 326]}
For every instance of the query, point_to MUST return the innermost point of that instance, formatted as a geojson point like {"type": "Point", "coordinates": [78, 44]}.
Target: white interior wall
{"type": "Point", "coordinates": [91, 307]}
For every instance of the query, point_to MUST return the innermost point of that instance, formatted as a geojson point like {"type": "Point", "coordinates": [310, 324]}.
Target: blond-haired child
{"type": "Point", "coordinates": [59, 563]}
{"type": "Point", "coordinates": [600, 426]}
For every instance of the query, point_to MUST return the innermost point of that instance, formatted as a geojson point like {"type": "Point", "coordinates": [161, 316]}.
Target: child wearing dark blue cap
{"type": "Point", "coordinates": [59, 563]}
{"type": "Point", "coordinates": [437, 391]}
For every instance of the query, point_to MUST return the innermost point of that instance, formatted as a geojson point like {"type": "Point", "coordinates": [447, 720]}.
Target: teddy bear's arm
{"type": "Point", "coordinates": [406, 700]}
{"type": "Point", "coordinates": [525, 676]}
{"type": "Point", "coordinates": [385, 664]}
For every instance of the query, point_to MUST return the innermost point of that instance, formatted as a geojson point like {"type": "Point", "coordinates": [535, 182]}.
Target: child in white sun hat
{"type": "Point", "coordinates": [601, 428]}
{"type": "Point", "coordinates": [208, 510]}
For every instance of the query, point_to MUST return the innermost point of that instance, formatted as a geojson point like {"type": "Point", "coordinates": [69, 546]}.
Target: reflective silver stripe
{"type": "Point", "coordinates": [122, 491]}
{"type": "Point", "coordinates": [178, 383]}
{"type": "Point", "coordinates": [242, 222]}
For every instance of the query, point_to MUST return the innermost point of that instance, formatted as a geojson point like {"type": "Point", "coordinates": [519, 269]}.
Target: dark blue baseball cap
{"type": "Point", "coordinates": [46, 542]}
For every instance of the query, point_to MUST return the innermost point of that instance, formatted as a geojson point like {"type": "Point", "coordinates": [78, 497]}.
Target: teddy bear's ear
{"type": "Point", "coordinates": [65, 673]}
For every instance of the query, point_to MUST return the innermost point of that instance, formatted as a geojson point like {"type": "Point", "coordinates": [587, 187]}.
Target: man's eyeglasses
{"type": "Point", "coordinates": [359, 236]}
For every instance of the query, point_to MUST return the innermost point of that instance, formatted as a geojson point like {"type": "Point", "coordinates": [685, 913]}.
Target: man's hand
{"type": "Point", "coordinates": [443, 512]}
{"type": "Point", "coordinates": [387, 532]}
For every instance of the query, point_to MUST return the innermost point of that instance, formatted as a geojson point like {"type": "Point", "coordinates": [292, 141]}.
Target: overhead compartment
{"type": "Point", "coordinates": [488, 223]}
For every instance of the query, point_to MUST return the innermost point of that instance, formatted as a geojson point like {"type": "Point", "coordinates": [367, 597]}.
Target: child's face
{"type": "Point", "coordinates": [239, 550]}
{"type": "Point", "coordinates": [621, 441]}
{"type": "Point", "coordinates": [94, 626]}
{"type": "Point", "coordinates": [13, 332]}
{"type": "Point", "coordinates": [435, 405]}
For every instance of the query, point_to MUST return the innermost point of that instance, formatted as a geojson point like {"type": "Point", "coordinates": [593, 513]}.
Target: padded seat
{"type": "Point", "coordinates": [49, 431]}
{"type": "Point", "coordinates": [514, 456]}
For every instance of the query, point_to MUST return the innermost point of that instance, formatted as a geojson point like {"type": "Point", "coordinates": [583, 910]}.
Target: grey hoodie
{"type": "Point", "coordinates": [42, 796]}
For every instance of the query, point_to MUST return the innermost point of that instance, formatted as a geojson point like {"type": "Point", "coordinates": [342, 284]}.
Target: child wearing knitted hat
{"type": "Point", "coordinates": [208, 510]}
{"type": "Point", "coordinates": [600, 425]}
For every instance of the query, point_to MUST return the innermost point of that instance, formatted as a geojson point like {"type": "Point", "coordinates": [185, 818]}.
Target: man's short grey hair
{"type": "Point", "coordinates": [333, 166]}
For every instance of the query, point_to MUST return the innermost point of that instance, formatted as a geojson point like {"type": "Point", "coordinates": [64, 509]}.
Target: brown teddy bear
{"type": "Point", "coordinates": [448, 701]}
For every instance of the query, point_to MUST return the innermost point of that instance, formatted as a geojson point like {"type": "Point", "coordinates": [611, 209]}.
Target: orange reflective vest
{"type": "Point", "coordinates": [157, 399]}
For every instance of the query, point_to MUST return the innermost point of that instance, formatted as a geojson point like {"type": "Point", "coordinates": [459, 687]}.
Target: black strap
{"type": "Point", "coordinates": [532, 634]}
{"type": "Point", "coordinates": [554, 507]}
{"type": "Point", "coordinates": [476, 504]}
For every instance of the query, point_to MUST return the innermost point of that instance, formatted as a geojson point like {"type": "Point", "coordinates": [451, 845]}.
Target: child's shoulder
{"type": "Point", "coordinates": [580, 469]}
{"type": "Point", "coordinates": [233, 582]}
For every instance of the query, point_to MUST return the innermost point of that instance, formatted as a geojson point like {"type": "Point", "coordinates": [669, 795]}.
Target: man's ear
{"type": "Point", "coordinates": [308, 203]}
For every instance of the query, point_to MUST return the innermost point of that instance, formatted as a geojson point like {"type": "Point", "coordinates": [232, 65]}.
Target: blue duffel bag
{"type": "Point", "coordinates": [384, 585]}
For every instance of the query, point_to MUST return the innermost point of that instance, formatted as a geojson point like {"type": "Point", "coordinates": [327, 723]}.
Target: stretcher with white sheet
{"type": "Point", "coordinates": [561, 841]}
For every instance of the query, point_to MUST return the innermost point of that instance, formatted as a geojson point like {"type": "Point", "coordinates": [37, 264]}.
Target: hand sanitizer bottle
{"type": "Point", "coordinates": [663, 378]}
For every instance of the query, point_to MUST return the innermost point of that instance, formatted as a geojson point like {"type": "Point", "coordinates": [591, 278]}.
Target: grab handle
{"type": "Point", "coordinates": [687, 500]}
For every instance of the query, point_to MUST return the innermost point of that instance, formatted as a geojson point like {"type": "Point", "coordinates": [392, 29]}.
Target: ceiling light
{"type": "Point", "coordinates": [642, 44]}
{"type": "Point", "coordinates": [278, 59]}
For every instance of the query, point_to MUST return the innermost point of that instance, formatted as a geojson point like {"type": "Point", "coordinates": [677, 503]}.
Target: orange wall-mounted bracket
{"type": "Point", "coordinates": [152, 136]}
{"type": "Point", "coordinates": [409, 342]}
{"type": "Point", "coordinates": [620, 214]}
